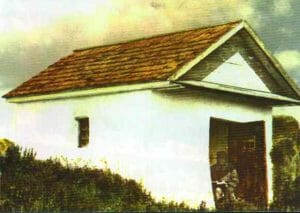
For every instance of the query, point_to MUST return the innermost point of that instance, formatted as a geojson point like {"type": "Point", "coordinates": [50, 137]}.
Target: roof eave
{"type": "Point", "coordinates": [91, 92]}
{"type": "Point", "coordinates": [273, 99]}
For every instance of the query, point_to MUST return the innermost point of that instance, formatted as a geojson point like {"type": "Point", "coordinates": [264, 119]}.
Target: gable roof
{"type": "Point", "coordinates": [156, 59]}
{"type": "Point", "coordinates": [145, 60]}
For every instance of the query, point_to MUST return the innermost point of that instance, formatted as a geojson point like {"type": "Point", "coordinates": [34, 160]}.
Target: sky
{"type": "Point", "coordinates": [35, 34]}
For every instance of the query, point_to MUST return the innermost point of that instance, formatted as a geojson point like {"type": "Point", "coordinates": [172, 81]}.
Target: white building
{"type": "Point", "coordinates": [159, 109]}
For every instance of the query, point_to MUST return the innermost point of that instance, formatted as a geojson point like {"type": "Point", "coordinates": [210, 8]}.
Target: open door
{"type": "Point", "coordinates": [244, 146]}
{"type": "Point", "coordinates": [246, 150]}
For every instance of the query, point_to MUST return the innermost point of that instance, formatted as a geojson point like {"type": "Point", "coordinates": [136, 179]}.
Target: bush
{"type": "Point", "coordinates": [286, 161]}
{"type": "Point", "coordinates": [31, 185]}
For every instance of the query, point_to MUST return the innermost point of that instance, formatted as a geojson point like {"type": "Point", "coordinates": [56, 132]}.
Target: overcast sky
{"type": "Point", "coordinates": [35, 33]}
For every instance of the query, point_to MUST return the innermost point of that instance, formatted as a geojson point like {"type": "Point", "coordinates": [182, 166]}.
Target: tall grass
{"type": "Point", "coordinates": [31, 185]}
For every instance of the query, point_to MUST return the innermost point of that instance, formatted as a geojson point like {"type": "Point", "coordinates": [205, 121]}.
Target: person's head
{"type": "Point", "coordinates": [221, 157]}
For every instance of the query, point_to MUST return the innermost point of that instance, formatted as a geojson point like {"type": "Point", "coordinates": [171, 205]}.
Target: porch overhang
{"type": "Point", "coordinates": [265, 97]}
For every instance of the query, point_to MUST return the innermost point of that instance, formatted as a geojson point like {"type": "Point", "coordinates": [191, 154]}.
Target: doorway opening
{"type": "Point", "coordinates": [241, 147]}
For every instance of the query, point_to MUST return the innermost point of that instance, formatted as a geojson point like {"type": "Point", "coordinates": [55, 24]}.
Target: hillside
{"type": "Point", "coordinates": [31, 185]}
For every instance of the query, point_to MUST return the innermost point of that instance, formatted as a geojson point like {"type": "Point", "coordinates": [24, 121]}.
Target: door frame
{"type": "Point", "coordinates": [263, 154]}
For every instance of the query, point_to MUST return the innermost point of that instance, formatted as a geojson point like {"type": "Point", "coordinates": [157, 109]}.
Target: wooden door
{"type": "Point", "coordinates": [246, 151]}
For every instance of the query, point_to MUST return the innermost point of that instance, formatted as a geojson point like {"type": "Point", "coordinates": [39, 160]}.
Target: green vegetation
{"type": "Point", "coordinates": [31, 185]}
{"type": "Point", "coordinates": [286, 160]}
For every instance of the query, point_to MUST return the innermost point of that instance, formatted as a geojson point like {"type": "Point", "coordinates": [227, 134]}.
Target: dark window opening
{"type": "Point", "coordinates": [83, 131]}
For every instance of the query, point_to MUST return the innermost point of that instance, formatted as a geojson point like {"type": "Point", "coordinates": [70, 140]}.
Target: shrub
{"type": "Point", "coordinates": [286, 161]}
{"type": "Point", "coordinates": [31, 185]}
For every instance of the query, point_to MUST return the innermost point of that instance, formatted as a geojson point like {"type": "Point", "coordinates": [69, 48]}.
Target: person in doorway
{"type": "Point", "coordinates": [225, 181]}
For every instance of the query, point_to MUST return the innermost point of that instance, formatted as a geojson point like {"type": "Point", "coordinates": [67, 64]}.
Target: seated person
{"type": "Point", "coordinates": [225, 181]}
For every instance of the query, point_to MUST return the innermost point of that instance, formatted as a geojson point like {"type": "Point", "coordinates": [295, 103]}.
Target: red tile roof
{"type": "Point", "coordinates": [145, 60]}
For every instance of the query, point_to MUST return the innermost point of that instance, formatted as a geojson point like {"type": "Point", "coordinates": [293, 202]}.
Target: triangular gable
{"type": "Point", "coordinates": [237, 72]}
{"type": "Point", "coordinates": [259, 60]}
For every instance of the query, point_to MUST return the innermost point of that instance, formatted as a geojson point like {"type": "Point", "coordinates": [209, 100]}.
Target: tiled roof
{"type": "Point", "coordinates": [145, 60]}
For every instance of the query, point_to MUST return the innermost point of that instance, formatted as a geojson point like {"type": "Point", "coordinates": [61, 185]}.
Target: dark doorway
{"type": "Point", "coordinates": [244, 147]}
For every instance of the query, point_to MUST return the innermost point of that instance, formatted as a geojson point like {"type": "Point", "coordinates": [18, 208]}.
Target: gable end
{"type": "Point", "coordinates": [255, 57]}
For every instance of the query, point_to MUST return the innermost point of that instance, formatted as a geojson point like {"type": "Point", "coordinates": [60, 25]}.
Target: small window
{"type": "Point", "coordinates": [83, 131]}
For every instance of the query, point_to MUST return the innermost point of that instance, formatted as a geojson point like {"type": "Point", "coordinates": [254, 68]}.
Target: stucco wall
{"type": "Point", "coordinates": [160, 138]}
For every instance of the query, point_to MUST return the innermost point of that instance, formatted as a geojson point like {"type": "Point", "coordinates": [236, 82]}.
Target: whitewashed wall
{"type": "Point", "coordinates": [6, 114]}
{"type": "Point", "coordinates": [161, 140]}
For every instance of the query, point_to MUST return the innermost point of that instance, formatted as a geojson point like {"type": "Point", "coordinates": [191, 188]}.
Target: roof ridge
{"type": "Point", "coordinates": [155, 36]}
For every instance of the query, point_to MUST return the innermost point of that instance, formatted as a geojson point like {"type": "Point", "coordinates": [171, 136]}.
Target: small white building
{"type": "Point", "coordinates": [159, 109]}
